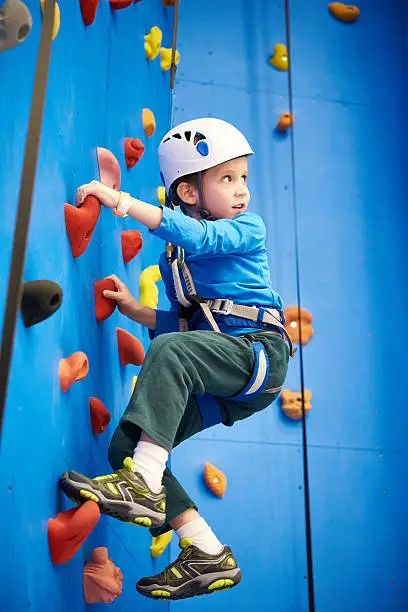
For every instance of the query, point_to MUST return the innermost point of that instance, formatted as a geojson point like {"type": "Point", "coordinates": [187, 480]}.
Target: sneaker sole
{"type": "Point", "coordinates": [135, 514]}
{"type": "Point", "coordinates": [202, 585]}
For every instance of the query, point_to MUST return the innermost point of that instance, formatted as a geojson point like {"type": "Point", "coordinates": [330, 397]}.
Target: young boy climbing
{"type": "Point", "coordinates": [228, 362]}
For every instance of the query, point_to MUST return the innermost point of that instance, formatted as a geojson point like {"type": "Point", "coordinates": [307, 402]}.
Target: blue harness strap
{"type": "Point", "coordinates": [209, 408]}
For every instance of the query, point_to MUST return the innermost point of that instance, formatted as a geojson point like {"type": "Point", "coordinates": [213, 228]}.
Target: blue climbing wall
{"type": "Point", "coordinates": [347, 221]}
{"type": "Point", "coordinates": [99, 83]}
{"type": "Point", "coordinates": [350, 155]}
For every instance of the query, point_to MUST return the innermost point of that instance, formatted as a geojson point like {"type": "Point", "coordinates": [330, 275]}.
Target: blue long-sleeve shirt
{"type": "Point", "coordinates": [227, 259]}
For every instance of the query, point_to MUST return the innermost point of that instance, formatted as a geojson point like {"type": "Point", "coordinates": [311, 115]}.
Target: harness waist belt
{"type": "Point", "coordinates": [270, 316]}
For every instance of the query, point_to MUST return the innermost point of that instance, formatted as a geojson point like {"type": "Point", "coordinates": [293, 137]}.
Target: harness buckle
{"type": "Point", "coordinates": [224, 307]}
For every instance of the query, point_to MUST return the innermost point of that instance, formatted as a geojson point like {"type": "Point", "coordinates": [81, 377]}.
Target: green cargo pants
{"type": "Point", "coordinates": [177, 366]}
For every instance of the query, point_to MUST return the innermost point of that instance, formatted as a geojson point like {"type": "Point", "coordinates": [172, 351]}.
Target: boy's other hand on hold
{"type": "Point", "coordinates": [125, 301]}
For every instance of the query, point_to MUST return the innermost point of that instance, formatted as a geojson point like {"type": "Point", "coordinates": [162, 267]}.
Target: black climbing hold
{"type": "Point", "coordinates": [41, 298]}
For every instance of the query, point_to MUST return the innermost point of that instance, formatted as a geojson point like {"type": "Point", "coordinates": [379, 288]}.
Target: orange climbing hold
{"type": "Point", "coordinates": [134, 149]}
{"type": "Point", "coordinates": [116, 5]}
{"type": "Point", "coordinates": [132, 243]}
{"type": "Point", "coordinates": [69, 530]}
{"type": "Point", "coordinates": [80, 223]}
{"type": "Point", "coordinates": [72, 369]}
{"type": "Point", "coordinates": [149, 122]}
{"type": "Point", "coordinates": [285, 121]}
{"type": "Point", "coordinates": [298, 324]}
{"type": "Point", "coordinates": [104, 306]}
{"type": "Point", "coordinates": [131, 350]}
{"type": "Point", "coordinates": [344, 12]}
{"type": "Point", "coordinates": [292, 403]}
{"type": "Point", "coordinates": [102, 579]}
{"type": "Point", "coordinates": [215, 480]}
{"type": "Point", "coordinates": [100, 416]}
{"type": "Point", "coordinates": [88, 10]}
{"type": "Point", "coordinates": [169, 3]}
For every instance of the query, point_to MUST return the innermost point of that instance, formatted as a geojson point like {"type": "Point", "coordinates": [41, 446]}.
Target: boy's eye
{"type": "Point", "coordinates": [244, 176]}
{"type": "Point", "coordinates": [227, 178]}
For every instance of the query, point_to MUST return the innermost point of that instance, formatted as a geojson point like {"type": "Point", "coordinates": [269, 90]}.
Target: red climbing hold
{"type": "Point", "coordinates": [132, 243]}
{"type": "Point", "coordinates": [134, 149]}
{"type": "Point", "coordinates": [130, 348]}
{"type": "Point", "coordinates": [100, 416]}
{"type": "Point", "coordinates": [88, 10]}
{"type": "Point", "coordinates": [80, 223]}
{"type": "Point", "coordinates": [104, 306]}
{"type": "Point", "coordinates": [116, 5]}
{"type": "Point", "coordinates": [69, 530]}
{"type": "Point", "coordinates": [73, 368]}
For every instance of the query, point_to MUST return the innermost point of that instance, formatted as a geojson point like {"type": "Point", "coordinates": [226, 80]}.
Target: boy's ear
{"type": "Point", "coordinates": [187, 193]}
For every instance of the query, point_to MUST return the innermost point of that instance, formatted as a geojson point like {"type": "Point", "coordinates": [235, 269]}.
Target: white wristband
{"type": "Point", "coordinates": [125, 202]}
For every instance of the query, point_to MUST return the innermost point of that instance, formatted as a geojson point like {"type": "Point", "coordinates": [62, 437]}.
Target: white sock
{"type": "Point", "coordinates": [150, 460]}
{"type": "Point", "coordinates": [201, 535]}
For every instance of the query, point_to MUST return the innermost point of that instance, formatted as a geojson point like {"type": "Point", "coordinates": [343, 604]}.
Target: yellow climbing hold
{"type": "Point", "coordinates": [165, 58]}
{"type": "Point", "coordinates": [134, 381]}
{"type": "Point", "coordinates": [344, 12]}
{"type": "Point", "coordinates": [149, 293]}
{"type": "Point", "coordinates": [160, 543]}
{"type": "Point", "coordinates": [161, 195]}
{"type": "Point", "coordinates": [152, 43]}
{"type": "Point", "coordinates": [57, 18]}
{"type": "Point", "coordinates": [280, 58]}
{"type": "Point", "coordinates": [149, 122]}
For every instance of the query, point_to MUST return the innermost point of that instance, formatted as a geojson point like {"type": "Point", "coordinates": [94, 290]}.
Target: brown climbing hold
{"type": "Point", "coordinates": [131, 350]}
{"type": "Point", "coordinates": [215, 480]}
{"type": "Point", "coordinates": [344, 12]}
{"type": "Point", "coordinates": [73, 368]}
{"type": "Point", "coordinates": [88, 10]}
{"type": "Point", "coordinates": [102, 579]}
{"type": "Point", "coordinates": [69, 530]}
{"type": "Point", "coordinates": [149, 122]}
{"type": "Point", "coordinates": [169, 3]}
{"type": "Point", "coordinates": [80, 223]}
{"type": "Point", "coordinates": [116, 5]}
{"type": "Point", "coordinates": [104, 306]}
{"type": "Point", "coordinates": [285, 121]}
{"type": "Point", "coordinates": [292, 403]}
{"type": "Point", "coordinates": [100, 415]}
{"type": "Point", "coordinates": [132, 243]}
{"type": "Point", "coordinates": [296, 326]}
{"type": "Point", "coordinates": [134, 149]}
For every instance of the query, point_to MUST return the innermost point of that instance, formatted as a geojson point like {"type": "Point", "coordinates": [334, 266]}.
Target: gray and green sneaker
{"type": "Point", "coordinates": [193, 573]}
{"type": "Point", "coordinates": [124, 495]}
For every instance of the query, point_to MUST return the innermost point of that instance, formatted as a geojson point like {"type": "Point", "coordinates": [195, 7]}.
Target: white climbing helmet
{"type": "Point", "coordinates": [197, 145]}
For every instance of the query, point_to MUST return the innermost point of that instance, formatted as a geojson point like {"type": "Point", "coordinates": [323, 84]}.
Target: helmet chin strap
{"type": "Point", "coordinates": [204, 214]}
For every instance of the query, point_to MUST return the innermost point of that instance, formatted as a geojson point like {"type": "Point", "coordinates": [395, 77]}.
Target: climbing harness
{"type": "Point", "coordinates": [208, 405]}
{"type": "Point", "coordinates": [261, 315]}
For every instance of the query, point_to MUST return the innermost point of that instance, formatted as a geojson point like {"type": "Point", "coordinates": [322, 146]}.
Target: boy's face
{"type": "Point", "coordinates": [225, 190]}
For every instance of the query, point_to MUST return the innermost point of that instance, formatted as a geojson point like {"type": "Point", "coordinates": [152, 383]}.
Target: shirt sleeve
{"type": "Point", "coordinates": [242, 234]}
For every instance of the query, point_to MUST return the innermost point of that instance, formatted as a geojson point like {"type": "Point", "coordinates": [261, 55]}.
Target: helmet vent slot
{"type": "Point", "coordinates": [166, 139]}
{"type": "Point", "coordinates": [198, 137]}
{"type": "Point", "coordinates": [187, 135]}
{"type": "Point", "coordinates": [177, 136]}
